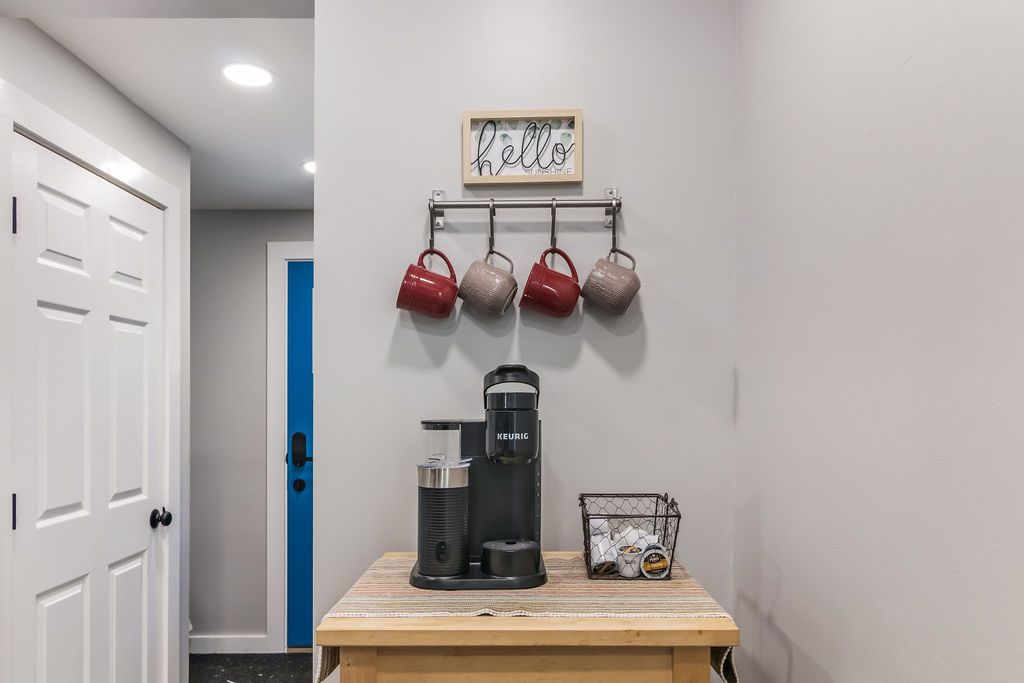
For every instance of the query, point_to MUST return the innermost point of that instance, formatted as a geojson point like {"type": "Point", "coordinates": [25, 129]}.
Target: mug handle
{"type": "Point", "coordinates": [624, 253]}
{"type": "Point", "coordinates": [565, 257]}
{"type": "Point", "coordinates": [511, 266]}
{"type": "Point", "coordinates": [444, 258]}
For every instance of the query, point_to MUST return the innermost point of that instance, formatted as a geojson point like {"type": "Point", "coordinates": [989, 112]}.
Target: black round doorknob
{"type": "Point", "coordinates": [161, 516]}
{"type": "Point", "coordinates": [299, 485]}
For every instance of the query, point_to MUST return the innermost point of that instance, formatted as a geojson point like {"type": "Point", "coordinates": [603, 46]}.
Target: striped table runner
{"type": "Point", "coordinates": [384, 591]}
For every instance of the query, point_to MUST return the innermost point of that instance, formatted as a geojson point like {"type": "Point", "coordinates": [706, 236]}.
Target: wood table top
{"type": "Point", "coordinates": [526, 631]}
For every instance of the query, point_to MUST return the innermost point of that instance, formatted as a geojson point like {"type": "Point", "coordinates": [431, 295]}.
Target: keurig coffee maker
{"type": "Point", "coordinates": [479, 492]}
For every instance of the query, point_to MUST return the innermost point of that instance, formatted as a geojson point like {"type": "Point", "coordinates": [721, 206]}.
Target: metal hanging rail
{"type": "Point", "coordinates": [437, 205]}
{"type": "Point", "coordinates": [563, 203]}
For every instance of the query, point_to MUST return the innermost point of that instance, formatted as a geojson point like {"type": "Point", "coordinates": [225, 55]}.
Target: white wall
{"type": "Point", "coordinates": [35, 64]}
{"type": "Point", "coordinates": [229, 426]}
{"type": "Point", "coordinates": [639, 403]}
{"type": "Point", "coordinates": [881, 327]}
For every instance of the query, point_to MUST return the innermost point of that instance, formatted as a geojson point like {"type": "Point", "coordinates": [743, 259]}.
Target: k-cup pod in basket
{"type": "Point", "coordinates": [628, 561]}
{"type": "Point", "coordinates": [655, 563]}
{"type": "Point", "coordinates": [636, 522]}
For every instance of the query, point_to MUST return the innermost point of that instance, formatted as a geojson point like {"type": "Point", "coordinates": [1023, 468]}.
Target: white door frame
{"type": "Point", "coordinates": [22, 114]}
{"type": "Point", "coordinates": [278, 256]}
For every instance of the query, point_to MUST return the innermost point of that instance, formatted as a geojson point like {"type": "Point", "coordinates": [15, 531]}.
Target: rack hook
{"type": "Point", "coordinates": [554, 208]}
{"type": "Point", "coordinates": [433, 216]}
{"type": "Point", "coordinates": [554, 233]}
{"type": "Point", "coordinates": [615, 225]}
{"type": "Point", "coordinates": [490, 229]}
{"type": "Point", "coordinates": [615, 234]}
{"type": "Point", "coordinates": [490, 239]}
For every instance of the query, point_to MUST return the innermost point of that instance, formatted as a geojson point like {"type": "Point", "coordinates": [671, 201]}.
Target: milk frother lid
{"type": "Point", "coordinates": [504, 374]}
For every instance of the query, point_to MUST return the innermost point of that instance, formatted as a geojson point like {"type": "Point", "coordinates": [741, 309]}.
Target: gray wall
{"type": "Point", "coordinates": [36, 64]}
{"type": "Point", "coordinates": [229, 426]}
{"type": "Point", "coordinates": [643, 402]}
{"type": "Point", "coordinates": [881, 327]}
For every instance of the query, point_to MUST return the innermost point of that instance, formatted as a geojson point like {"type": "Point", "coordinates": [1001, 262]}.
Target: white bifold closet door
{"type": "Point", "coordinates": [90, 442]}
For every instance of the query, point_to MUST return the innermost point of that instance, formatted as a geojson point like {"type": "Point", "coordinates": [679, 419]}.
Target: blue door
{"type": "Point", "coordinates": [300, 453]}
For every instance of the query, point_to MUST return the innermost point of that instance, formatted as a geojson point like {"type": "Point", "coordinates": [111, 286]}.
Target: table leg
{"type": "Point", "coordinates": [358, 665]}
{"type": "Point", "coordinates": [691, 665]}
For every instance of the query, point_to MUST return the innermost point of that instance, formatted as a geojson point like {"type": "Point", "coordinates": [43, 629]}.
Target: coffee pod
{"type": "Point", "coordinates": [630, 535]}
{"type": "Point", "coordinates": [600, 527]}
{"type": "Point", "coordinates": [648, 540]}
{"type": "Point", "coordinates": [628, 561]}
{"type": "Point", "coordinates": [601, 550]}
{"type": "Point", "coordinates": [655, 563]}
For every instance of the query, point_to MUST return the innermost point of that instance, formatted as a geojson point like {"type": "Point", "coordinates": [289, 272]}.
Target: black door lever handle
{"type": "Point", "coordinates": [161, 516]}
{"type": "Point", "coordinates": [299, 456]}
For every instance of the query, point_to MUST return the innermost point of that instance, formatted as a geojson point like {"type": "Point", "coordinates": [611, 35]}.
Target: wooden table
{"type": "Point", "coordinates": [535, 649]}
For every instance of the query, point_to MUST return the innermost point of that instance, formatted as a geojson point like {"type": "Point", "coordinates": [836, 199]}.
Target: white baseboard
{"type": "Point", "coordinates": [209, 643]}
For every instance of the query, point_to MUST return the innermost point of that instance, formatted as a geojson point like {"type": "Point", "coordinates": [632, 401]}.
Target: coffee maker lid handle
{"type": "Point", "coordinates": [504, 374]}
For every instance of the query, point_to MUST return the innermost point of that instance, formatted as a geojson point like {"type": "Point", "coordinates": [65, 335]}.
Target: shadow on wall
{"type": "Point", "coordinates": [766, 654]}
{"type": "Point", "coordinates": [423, 342]}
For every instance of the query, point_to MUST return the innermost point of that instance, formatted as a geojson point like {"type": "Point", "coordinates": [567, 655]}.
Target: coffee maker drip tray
{"type": "Point", "coordinates": [504, 564]}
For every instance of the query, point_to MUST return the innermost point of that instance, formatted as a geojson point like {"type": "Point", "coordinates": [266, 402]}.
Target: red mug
{"type": "Point", "coordinates": [427, 292]}
{"type": "Point", "coordinates": [549, 291]}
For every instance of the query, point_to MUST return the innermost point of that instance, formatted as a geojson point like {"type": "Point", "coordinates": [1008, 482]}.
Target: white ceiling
{"type": "Point", "coordinates": [248, 145]}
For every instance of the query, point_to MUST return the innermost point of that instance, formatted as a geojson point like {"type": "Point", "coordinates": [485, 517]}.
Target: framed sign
{"type": "Point", "coordinates": [530, 146]}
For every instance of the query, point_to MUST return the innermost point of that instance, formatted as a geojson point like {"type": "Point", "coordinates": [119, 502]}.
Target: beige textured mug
{"type": "Point", "coordinates": [488, 288]}
{"type": "Point", "coordinates": [611, 286]}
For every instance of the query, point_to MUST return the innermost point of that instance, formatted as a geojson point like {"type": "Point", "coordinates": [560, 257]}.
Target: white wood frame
{"type": "Point", "coordinates": [22, 114]}
{"type": "Point", "coordinates": [523, 115]}
{"type": "Point", "coordinates": [278, 256]}
{"type": "Point", "coordinates": [275, 639]}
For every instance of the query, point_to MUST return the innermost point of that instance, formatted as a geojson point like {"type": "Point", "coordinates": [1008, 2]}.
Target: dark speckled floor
{"type": "Point", "coordinates": [280, 668]}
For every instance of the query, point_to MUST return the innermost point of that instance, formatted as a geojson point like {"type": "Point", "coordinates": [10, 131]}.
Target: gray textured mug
{"type": "Point", "coordinates": [611, 286]}
{"type": "Point", "coordinates": [488, 288]}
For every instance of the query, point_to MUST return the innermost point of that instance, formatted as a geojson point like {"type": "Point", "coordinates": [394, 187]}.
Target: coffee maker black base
{"type": "Point", "coordinates": [475, 579]}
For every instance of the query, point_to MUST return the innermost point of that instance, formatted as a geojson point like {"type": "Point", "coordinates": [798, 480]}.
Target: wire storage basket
{"type": "Point", "coordinates": [629, 535]}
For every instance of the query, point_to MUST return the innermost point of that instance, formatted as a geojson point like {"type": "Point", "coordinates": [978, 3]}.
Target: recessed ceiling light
{"type": "Point", "coordinates": [309, 166]}
{"type": "Point", "coordinates": [249, 75]}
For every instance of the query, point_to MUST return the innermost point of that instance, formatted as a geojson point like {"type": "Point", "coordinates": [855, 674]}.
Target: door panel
{"type": "Point", "coordinates": [61, 467]}
{"type": "Point", "coordinates": [128, 398]}
{"type": "Point", "coordinates": [89, 427]}
{"type": "Point", "coordinates": [61, 627]}
{"type": "Point", "coordinates": [300, 452]}
{"type": "Point", "coordinates": [64, 231]}
{"type": "Point", "coordinates": [128, 610]}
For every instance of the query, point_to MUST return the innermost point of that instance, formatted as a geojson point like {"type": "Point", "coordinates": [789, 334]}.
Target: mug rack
{"type": "Point", "coordinates": [437, 205]}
